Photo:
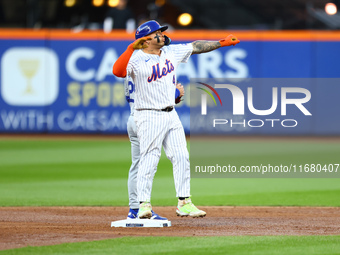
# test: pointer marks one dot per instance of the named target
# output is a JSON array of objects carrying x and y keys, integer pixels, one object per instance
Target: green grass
[
  {"x": 94, "y": 172},
  {"x": 247, "y": 245},
  {"x": 285, "y": 153}
]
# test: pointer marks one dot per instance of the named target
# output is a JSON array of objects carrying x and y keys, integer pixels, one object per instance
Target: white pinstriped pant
[
  {"x": 154, "y": 129},
  {"x": 135, "y": 156}
]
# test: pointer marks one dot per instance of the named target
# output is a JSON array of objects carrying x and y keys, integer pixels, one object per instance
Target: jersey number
[{"x": 130, "y": 100}]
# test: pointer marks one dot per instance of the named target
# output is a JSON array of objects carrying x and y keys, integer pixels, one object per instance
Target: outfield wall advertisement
[{"x": 64, "y": 84}]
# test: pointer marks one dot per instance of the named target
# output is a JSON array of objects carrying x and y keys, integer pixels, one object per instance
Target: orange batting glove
[
  {"x": 119, "y": 68},
  {"x": 139, "y": 43},
  {"x": 229, "y": 40}
]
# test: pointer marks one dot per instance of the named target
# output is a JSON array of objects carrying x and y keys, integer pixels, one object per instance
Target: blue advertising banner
[{"x": 66, "y": 85}]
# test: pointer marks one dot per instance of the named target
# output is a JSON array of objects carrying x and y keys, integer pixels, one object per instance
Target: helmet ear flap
[{"x": 167, "y": 40}]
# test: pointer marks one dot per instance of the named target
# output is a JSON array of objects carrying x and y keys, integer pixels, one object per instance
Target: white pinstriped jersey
[
  {"x": 154, "y": 76},
  {"x": 129, "y": 89}
]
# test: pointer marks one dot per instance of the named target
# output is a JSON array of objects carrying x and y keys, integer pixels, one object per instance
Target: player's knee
[{"x": 181, "y": 156}]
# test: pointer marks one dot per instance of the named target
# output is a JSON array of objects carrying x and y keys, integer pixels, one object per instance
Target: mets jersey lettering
[{"x": 156, "y": 74}]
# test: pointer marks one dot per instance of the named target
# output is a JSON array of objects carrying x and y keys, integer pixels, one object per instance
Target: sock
[{"x": 182, "y": 198}]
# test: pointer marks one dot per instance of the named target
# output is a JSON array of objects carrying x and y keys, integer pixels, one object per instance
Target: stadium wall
[{"x": 57, "y": 81}]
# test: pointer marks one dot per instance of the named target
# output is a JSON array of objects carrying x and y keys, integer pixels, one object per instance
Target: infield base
[{"x": 141, "y": 223}]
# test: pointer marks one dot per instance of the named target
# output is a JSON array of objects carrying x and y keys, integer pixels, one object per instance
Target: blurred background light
[
  {"x": 331, "y": 9},
  {"x": 113, "y": 3},
  {"x": 159, "y": 3},
  {"x": 70, "y": 3},
  {"x": 97, "y": 3},
  {"x": 184, "y": 19}
]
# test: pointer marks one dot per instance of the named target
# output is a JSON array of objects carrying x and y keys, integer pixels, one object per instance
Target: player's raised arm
[
  {"x": 206, "y": 46},
  {"x": 119, "y": 68}
]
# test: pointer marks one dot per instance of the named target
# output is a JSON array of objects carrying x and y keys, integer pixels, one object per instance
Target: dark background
[{"x": 212, "y": 14}]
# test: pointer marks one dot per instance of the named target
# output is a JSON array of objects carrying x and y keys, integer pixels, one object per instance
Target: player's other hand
[
  {"x": 139, "y": 43},
  {"x": 180, "y": 87},
  {"x": 229, "y": 40}
]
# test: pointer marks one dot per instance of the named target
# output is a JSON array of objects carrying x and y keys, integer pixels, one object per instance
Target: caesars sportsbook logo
[
  {"x": 29, "y": 76},
  {"x": 238, "y": 105}
]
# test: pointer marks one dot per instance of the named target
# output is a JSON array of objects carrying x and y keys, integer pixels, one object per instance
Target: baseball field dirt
[{"x": 38, "y": 226}]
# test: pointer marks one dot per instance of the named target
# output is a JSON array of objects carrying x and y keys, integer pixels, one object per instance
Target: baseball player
[
  {"x": 135, "y": 154},
  {"x": 153, "y": 70}
]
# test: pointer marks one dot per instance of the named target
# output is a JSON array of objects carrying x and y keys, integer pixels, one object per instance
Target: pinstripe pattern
[
  {"x": 159, "y": 93},
  {"x": 135, "y": 156},
  {"x": 175, "y": 148},
  {"x": 157, "y": 128},
  {"x": 168, "y": 131}
]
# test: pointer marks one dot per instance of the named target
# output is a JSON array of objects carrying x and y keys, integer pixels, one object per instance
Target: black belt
[{"x": 168, "y": 109}]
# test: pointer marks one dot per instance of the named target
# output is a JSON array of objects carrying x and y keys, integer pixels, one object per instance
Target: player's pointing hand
[
  {"x": 140, "y": 43},
  {"x": 229, "y": 40}
]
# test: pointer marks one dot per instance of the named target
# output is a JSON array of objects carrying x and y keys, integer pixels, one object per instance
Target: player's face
[{"x": 157, "y": 38}]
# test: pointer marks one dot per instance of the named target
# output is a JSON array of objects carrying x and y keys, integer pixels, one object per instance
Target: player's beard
[
  {"x": 154, "y": 46},
  {"x": 159, "y": 45}
]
